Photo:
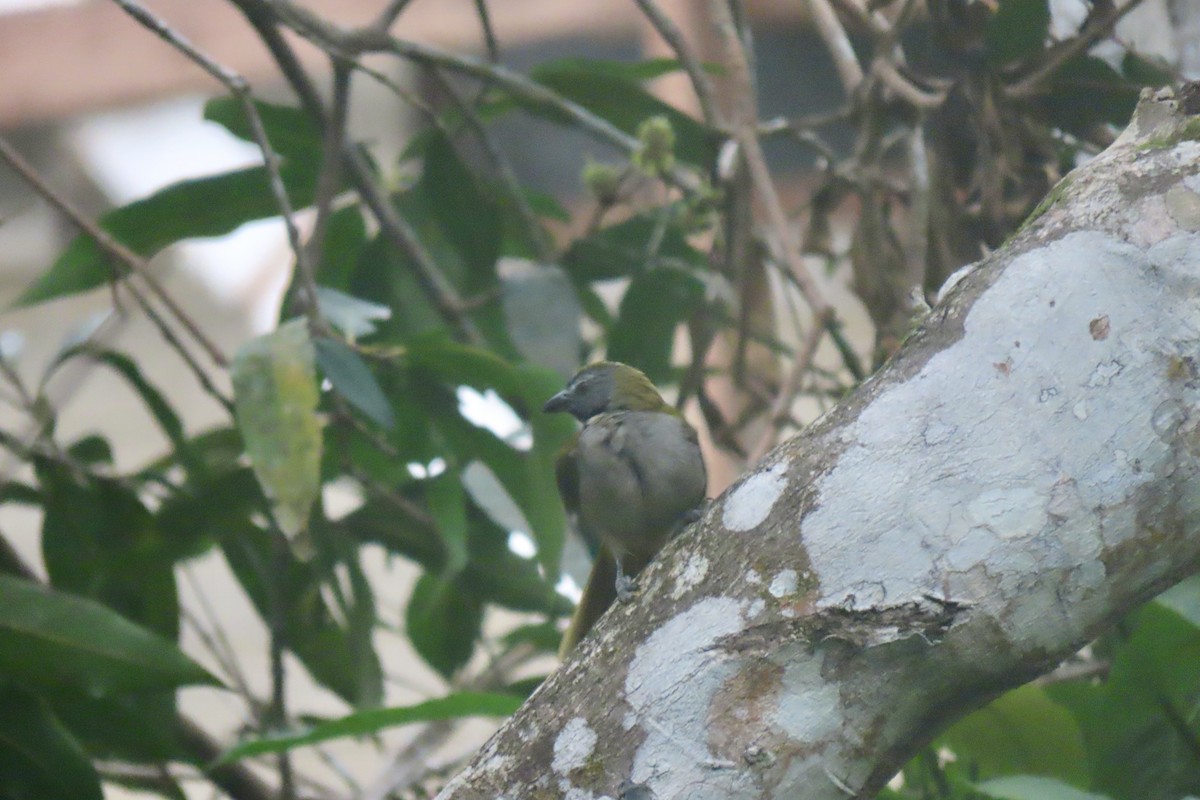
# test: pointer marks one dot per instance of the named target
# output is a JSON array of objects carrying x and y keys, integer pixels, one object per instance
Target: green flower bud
[
  {"x": 656, "y": 146},
  {"x": 603, "y": 181}
]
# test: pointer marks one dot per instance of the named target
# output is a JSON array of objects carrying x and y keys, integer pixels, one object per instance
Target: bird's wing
[{"x": 566, "y": 473}]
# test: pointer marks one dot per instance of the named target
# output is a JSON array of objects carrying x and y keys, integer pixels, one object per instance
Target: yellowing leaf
[{"x": 275, "y": 401}]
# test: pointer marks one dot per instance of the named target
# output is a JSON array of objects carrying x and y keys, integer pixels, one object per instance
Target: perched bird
[{"x": 631, "y": 478}]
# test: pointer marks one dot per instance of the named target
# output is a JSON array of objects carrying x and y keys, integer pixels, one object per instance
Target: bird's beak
[{"x": 557, "y": 403}]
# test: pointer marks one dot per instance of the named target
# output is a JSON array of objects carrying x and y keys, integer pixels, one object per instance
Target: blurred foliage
[
  {"x": 363, "y": 386},
  {"x": 1121, "y": 722}
]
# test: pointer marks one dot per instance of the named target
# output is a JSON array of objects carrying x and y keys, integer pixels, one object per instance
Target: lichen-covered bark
[{"x": 1023, "y": 470}]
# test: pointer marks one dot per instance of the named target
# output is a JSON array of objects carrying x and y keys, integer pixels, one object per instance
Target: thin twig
[
  {"x": 329, "y": 178},
  {"x": 916, "y": 250},
  {"x": 538, "y": 237},
  {"x": 138, "y": 268},
  {"x": 492, "y": 47},
  {"x": 849, "y": 71},
  {"x": 906, "y": 90},
  {"x": 277, "y": 624},
  {"x": 240, "y": 88},
  {"x": 235, "y": 779},
  {"x": 433, "y": 283},
  {"x": 746, "y": 136},
  {"x": 219, "y": 645},
  {"x": 361, "y": 41},
  {"x": 414, "y": 763},
  {"x": 1092, "y": 32},
  {"x": 389, "y": 14},
  {"x": 673, "y": 36},
  {"x": 777, "y": 218},
  {"x": 111, "y": 247},
  {"x": 781, "y": 408}
]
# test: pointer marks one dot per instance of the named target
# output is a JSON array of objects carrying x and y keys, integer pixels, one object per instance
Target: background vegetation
[{"x": 693, "y": 256}]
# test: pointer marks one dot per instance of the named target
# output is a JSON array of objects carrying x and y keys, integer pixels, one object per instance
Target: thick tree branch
[{"x": 1023, "y": 471}]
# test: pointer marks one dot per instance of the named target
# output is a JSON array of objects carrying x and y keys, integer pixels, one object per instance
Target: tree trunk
[{"x": 1022, "y": 472}]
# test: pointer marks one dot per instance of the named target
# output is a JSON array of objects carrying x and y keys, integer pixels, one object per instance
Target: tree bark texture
[{"x": 1023, "y": 471}]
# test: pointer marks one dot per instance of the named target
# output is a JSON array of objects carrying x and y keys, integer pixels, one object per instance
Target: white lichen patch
[
  {"x": 809, "y": 708},
  {"x": 672, "y": 681},
  {"x": 573, "y": 746},
  {"x": 495, "y": 763},
  {"x": 784, "y": 583},
  {"x": 689, "y": 574},
  {"x": 969, "y": 478},
  {"x": 751, "y": 502}
]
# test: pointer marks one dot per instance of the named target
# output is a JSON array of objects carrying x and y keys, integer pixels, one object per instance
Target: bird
[{"x": 630, "y": 479}]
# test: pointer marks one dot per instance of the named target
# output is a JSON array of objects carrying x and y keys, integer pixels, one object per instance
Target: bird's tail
[{"x": 598, "y": 594}]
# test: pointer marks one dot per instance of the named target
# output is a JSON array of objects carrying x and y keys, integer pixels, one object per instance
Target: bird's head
[{"x": 607, "y": 386}]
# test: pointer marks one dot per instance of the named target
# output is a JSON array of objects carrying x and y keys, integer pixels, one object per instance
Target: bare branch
[
  {"x": 136, "y": 265},
  {"x": 433, "y": 283},
  {"x": 834, "y": 35},
  {"x": 687, "y": 56},
  {"x": 1093, "y": 31},
  {"x": 239, "y": 88}
]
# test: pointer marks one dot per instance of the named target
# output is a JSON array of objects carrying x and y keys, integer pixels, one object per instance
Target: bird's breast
[{"x": 639, "y": 471}]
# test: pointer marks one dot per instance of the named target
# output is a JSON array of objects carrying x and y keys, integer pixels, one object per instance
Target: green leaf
[
  {"x": 546, "y": 205},
  {"x": 353, "y": 380},
  {"x": 354, "y": 317},
  {"x": 469, "y": 217},
  {"x": 139, "y": 727},
  {"x": 1021, "y": 732},
  {"x": 50, "y": 639},
  {"x": 628, "y": 248},
  {"x": 366, "y": 723},
  {"x": 1085, "y": 91},
  {"x": 388, "y": 275},
  {"x": 275, "y": 399},
  {"x": 100, "y": 541},
  {"x": 329, "y": 650},
  {"x": 524, "y": 388},
  {"x": 38, "y": 756},
  {"x": 128, "y": 369},
  {"x": 653, "y": 305},
  {"x": 92, "y": 450},
  {"x": 620, "y": 99},
  {"x": 543, "y": 316},
  {"x": 1141, "y": 733},
  {"x": 1146, "y": 71},
  {"x": 345, "y": 239},
  {"x": 210, "y": 206},
  {"x": 217, "y": 449},
  {"x": 494, "y": 573},
  {"x": 498, "y": 575},
  {"x": 447, "y": 503},
  {"x": 443, "y": 619},
  {"x": 1017, "y": 30},
  {"x": 542, "y": 635},
  {"x": 292, "y": 133},
  {"x": 207, "y": 508},
  {"x": 1027, "y": 787},
  {"x": 640, "y": 71}
]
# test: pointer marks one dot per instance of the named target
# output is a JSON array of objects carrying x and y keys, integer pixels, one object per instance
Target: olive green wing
[{"x": 566, "y": 473}]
